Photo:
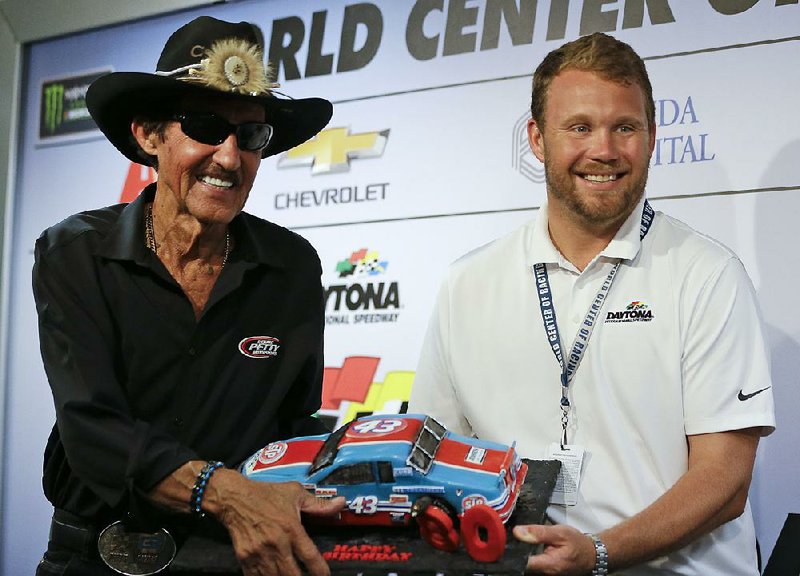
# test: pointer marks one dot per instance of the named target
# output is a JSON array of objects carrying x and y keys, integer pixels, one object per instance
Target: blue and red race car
[{"x": 392, "y": 468}]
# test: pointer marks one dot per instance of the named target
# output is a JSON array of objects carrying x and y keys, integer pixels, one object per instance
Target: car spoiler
[{"x": 508, "y": 461}]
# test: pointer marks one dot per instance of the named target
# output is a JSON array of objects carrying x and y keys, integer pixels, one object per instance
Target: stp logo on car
[
  {"x": 472, "y": 500},
  {"x": 259, "y": 346},
  {"x": 272, "y": 453}
]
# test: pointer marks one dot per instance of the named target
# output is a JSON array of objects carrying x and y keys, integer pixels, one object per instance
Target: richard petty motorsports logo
[
  {"x": 634, "y": 312},
  {"x": 368, "y": 299},
  {"x": 259, "y": 346},
  {"x": 331, "y": 152}
]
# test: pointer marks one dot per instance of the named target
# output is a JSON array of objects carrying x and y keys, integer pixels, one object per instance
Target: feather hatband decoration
[{"x": 233, "y": 65}]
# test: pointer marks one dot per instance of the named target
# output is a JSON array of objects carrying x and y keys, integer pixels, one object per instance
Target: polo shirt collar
[
  {"x": 624, "y": 246},
  {"x": 627, "y": 242},
  {"x": 126, "y": 239}
]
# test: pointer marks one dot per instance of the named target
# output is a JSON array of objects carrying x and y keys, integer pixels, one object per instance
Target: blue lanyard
[{"x": 581, "y": 341}]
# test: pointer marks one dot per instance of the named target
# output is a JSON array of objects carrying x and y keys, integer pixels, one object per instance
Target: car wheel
[
  {"x": 437, "y": 528},
  {"x": 483, "y": 533}
]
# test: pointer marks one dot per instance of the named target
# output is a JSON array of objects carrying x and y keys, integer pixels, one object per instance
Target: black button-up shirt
[{"x": 140, "y": 385}]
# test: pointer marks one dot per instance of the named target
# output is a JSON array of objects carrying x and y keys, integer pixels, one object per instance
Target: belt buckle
[{"x": 135, "y": 553}]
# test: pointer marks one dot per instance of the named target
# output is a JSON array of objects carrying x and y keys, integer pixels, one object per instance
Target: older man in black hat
[{"x": 180, "y": 334}]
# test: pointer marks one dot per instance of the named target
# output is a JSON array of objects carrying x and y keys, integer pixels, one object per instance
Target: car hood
[{"x": 283, "y": 461}]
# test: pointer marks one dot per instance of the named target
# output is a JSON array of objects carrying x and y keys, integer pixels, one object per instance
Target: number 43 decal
[
  {"x": 364, "y": 504},
  {"x": 382, "y": 426}
]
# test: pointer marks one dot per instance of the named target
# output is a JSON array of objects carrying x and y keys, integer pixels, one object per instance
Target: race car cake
[{"x": 397, "y": 469}]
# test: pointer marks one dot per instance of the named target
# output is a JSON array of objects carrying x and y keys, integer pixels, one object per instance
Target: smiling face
[
  {"x": 595, "y": 144},
  {"x": 209, "y": 183}
]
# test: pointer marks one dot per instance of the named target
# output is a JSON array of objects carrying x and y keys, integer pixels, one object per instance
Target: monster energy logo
[
  {"x": 53, "y": 107},
  {"x": 63, "y": 106}
]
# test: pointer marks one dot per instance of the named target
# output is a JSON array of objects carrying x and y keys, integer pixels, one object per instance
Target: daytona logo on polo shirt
[{"x": 634, "y": 312}]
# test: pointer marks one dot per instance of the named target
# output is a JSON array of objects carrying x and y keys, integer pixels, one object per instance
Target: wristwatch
[{"x": 601, "y": 556}]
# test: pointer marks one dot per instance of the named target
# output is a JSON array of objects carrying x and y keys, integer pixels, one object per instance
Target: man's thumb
[{"x": 529, "y": 533}]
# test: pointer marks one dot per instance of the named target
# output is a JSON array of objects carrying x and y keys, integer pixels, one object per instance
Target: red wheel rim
[
  {"x": 483, "y": 533},
  {"x": 436, "y": 528}
]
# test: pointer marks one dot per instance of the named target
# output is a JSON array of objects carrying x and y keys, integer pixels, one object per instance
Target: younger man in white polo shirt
[{"x": 612, "y": 337}]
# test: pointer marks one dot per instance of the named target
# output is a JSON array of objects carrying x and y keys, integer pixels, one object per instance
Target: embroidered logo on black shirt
[{"x": 259, "y": 346}]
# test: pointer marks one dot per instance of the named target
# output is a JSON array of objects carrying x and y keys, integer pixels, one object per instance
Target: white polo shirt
[{"x": 679, "y": 336}]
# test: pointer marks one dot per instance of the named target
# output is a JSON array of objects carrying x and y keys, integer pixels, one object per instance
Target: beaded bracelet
[{"x": 199, "y": 488}]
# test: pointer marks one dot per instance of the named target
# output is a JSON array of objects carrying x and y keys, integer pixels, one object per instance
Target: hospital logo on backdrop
[
  {"x": 522, "y": 158},
  {"x": 682, "y": 137},
  {"x": 366, "y": 296}
]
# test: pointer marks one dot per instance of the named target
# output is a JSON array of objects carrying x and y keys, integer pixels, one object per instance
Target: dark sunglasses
[{"x": 213, "y": 130}]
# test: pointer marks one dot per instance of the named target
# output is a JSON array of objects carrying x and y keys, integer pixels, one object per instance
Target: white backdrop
[{"x": 432, "y": 114}]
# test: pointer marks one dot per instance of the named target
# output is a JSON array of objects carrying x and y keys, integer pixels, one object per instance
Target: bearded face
[{"x": 596, "y": 146}]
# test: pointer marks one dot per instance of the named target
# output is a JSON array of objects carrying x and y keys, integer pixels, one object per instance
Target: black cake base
[{"x": 401, "y": 551}]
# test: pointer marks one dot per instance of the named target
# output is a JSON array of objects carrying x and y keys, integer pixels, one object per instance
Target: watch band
[{"x": 601, "y": 556}]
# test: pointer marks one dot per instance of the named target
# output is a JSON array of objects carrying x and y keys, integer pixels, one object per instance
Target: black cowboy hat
[{"x": 205, "y": 56}]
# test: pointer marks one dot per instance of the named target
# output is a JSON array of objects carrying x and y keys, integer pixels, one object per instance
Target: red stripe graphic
[
  {"x": 455, "y": 454},
  {"x": 298, "y": 452}
]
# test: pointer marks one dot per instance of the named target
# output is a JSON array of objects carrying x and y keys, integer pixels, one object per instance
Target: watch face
[{"x": 135, "y": 553}]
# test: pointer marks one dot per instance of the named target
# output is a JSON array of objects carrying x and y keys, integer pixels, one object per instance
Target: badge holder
[
  {"x": 568, "y": 481},
  {"x": 135, "y": 553}
]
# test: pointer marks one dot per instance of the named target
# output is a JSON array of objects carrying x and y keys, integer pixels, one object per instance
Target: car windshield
[
  {"x": 425, "y": 446},
  {"x": 327, "y": 453}
]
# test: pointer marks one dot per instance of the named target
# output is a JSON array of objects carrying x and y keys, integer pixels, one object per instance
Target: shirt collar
[
  {"x": 126, "y": 240},
  {"x": 258, "y": 241},
  {"x": 625, "y": 245}
]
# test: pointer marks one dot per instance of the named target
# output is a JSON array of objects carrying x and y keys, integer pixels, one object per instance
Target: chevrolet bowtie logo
[{"x": 332, "y": 150}]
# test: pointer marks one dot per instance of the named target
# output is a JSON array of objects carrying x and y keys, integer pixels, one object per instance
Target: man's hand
[
  {"x": 566, "y": 551},
  {"x": 711, "y": 492},
  {"x": 263, "y": 520}
]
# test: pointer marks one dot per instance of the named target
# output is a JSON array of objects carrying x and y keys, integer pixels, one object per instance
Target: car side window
[
  {"x": 354, "y": 474},
  {"x": 385, "y": 472}
]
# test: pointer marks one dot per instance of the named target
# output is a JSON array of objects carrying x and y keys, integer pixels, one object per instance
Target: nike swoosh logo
[{"x": 743, "y": 396}]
